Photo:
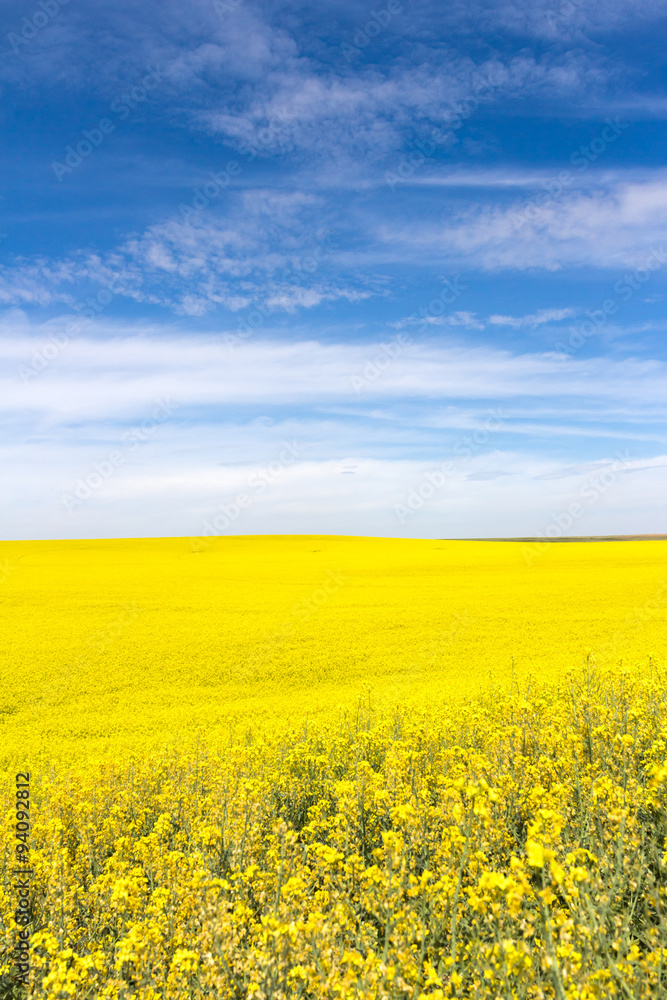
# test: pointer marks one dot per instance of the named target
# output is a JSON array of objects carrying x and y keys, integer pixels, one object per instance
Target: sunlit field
[
  {"x": 337, "y": 767},
  {"x": 111, "y": 647}
]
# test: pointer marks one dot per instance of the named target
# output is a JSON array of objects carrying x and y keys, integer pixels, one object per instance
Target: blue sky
[{"x": 394, "y": 270}]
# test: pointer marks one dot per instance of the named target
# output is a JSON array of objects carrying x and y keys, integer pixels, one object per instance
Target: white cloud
[
  {"x": 272, "y": 248},
  {"x": 367, "y": 113},
  {"x": 572, "y": 21},
  {"x": 116, "y": 368},
  {"x": 614, "y": 228},
  {"x": 460, "y": 317},
  {"x": 464, "y": 318},
  {"x": 355, "y": 452},
  {"x": 533, "y": 319},
  {"x": 285, "y": 248}
]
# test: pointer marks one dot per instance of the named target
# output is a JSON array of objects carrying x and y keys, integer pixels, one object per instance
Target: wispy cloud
[
  {"x": 604, "y": 229},
  {"x": 262, "y": 248},
  {"x": 111, "y": 372},
  {"x": 271, "y": 247},
  {"x": 533, "y": 320}
]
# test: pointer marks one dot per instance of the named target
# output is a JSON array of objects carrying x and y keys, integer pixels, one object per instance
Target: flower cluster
[{"x": 513, "y": 846}]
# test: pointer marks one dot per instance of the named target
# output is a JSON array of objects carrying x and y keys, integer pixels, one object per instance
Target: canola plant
[{"x": 336, "y": 767}]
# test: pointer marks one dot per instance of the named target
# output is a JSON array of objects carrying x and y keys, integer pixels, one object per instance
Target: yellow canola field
[
  {"x": 111, "y": 647},
  {"x": 316, "y": 768}
]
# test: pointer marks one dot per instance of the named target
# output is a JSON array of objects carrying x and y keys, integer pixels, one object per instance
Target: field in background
[
  {"x": 311, "y": 768},
  {"x": 112, "y": 647}
]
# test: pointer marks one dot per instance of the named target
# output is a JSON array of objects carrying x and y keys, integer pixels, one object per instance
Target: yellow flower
[{"x": 535, "y": 854}]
